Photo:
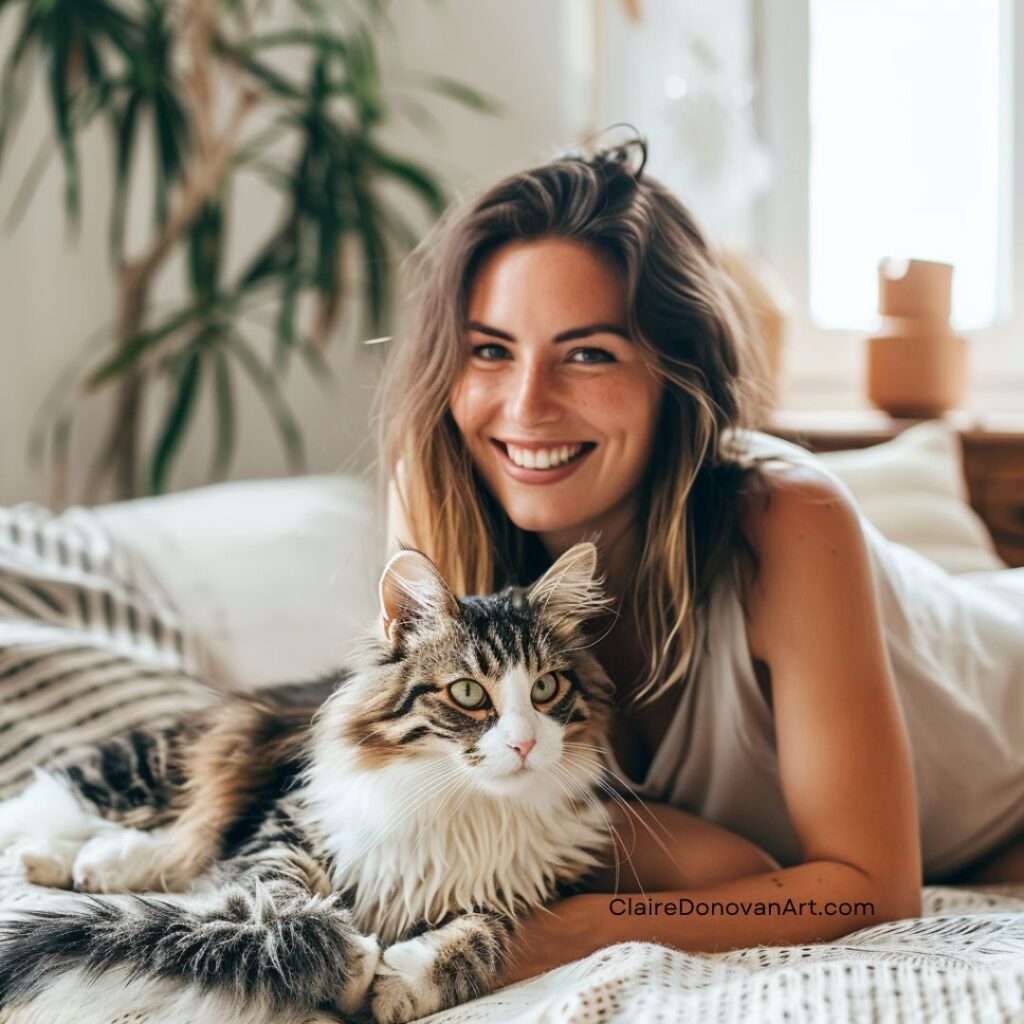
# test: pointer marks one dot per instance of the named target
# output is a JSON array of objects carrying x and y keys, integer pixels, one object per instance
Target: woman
[{"x": 580, "y": 367}]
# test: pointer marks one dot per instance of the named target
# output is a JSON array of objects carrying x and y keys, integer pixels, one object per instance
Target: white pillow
[
  {"x": 913, "y": 490},
  {"x": 273, "y": 576}
]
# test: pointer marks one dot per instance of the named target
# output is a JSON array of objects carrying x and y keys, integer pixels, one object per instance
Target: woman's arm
[
  {"x": 812, "y": 902},
  {"x": 844, "y": 761},
  {"x": 660, "y": 848},
  {"x": 844, "y": 756}
]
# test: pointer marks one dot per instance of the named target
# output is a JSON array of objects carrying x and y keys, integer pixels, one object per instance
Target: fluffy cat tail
[{"x": 243, "y": 949}]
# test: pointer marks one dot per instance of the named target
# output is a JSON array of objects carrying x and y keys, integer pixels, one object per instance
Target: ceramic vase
[{"x": 916, "y": 365}]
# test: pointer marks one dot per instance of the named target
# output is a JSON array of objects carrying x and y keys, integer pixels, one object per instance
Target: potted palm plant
[{"x": 216, "y": 89}]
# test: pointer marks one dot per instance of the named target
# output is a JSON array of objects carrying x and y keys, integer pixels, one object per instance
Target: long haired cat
[{"x": 364, "y": 841}]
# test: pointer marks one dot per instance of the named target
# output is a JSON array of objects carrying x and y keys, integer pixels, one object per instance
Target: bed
[{"x": 190, "y": 584}]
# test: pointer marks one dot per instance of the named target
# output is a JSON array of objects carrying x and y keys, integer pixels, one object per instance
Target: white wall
[{"x": 535, "y": 56}]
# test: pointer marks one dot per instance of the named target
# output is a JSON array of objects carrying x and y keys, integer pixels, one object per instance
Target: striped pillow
[{"x": 89, "y": 642}]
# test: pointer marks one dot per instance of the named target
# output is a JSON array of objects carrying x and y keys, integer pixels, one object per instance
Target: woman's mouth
[{"x": 547, "y": 464}]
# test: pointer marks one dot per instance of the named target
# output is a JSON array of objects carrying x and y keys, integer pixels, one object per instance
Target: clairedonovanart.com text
[{"x": 643, "y": 906}]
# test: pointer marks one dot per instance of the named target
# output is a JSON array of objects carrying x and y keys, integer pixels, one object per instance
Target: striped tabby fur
[{"x": 365, "y": 841}]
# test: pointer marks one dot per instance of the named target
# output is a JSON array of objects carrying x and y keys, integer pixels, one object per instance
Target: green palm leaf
[
  {"x": 224, "y": 407},
  {"x": 125, "y": 147},
  {"x": 267, "y": 386},
  {"x": 176, "y": 420},
  {"x": 128, "y": 356}
]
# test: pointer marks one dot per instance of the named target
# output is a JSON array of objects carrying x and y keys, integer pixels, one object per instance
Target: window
[{"x": 891, "y": 125}]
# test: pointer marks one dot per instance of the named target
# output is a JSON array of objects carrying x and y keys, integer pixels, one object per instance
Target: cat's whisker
[
  {"x": 614, "y": 836},
  {"x": 615, "y": 775},
  {"x": 631, "y": 817},
  {"x": 602, "y": 784},
  {"x": 631, "y": 810}
]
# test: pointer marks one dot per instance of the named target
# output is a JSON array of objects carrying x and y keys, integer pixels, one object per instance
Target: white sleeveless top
[{"x": 956, "y": 649}]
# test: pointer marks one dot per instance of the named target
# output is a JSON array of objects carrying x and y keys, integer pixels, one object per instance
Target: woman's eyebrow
[
  {"x": 571, "y": 335},
  {"x": 583, "y": 332}
]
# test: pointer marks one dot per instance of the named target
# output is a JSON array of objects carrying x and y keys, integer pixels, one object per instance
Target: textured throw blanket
[{"x": 89, "y": 644}]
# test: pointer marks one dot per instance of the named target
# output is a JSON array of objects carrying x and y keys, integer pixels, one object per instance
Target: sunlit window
[{"x": 910, "y": 150}]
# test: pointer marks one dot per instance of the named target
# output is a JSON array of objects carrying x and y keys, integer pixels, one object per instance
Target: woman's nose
[{"x": 534, "y": 400}]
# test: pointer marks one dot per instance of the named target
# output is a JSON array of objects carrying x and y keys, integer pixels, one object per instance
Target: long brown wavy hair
[{"x": 686, "y": 315}]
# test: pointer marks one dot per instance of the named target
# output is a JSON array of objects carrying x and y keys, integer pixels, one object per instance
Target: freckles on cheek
[
  {"x": 613, "y": 402},
  {"x": 591, "y": 398},
  {"x": 471, "y": 400}
]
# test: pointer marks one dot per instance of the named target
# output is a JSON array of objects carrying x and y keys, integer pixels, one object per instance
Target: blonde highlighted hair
[{"x": 684, "y": 312}]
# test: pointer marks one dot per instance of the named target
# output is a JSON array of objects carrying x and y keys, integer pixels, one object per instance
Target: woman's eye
[
  {"x": 468, "y": 694},
  {"x": 490, "y": 352},
  {"x": 544, "y": 689},
  {"x": 592, "y": 355}
]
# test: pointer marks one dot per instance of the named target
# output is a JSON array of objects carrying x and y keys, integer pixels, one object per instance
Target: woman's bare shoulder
[
  {"x": 801, "y": 522},
  {"x": 790, "y": 496}
]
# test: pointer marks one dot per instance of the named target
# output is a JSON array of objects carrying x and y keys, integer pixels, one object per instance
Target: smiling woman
[
  {"x": 537, "y": 407},
  {"x": 789, "y": 694}
]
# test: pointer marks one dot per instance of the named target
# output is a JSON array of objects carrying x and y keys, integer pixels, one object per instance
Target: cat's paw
[
  {"x": 46, "y": 861},
  {"x": 123, "y": 859},
  {"x": 365, "y": 958},
  {"x": 404, "y": 988},
  {"x": 46, "y": 807}
]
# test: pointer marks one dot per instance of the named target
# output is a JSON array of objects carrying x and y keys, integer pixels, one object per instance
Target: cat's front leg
[
  {"x": 45, "y": 826},
  {"x": 122, "y": 859},
  {"x": 441, "y": 968}
]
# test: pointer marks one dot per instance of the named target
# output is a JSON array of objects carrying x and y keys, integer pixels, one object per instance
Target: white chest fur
[{"x": 416, "y": 842}]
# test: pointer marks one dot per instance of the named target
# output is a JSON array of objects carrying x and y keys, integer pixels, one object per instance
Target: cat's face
[{"x": 500, "y": 686}]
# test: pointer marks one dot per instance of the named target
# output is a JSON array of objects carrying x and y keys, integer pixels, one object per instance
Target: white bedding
[{"x": 963, "y": 961}]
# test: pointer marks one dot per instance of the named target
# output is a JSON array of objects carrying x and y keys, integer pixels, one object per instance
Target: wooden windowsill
[{"x": 880, "y": 426}]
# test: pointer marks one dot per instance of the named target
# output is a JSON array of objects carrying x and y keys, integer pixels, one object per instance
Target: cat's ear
[
  {"x": 570, "y": 591},
  {"x": 412, "y": 590}
]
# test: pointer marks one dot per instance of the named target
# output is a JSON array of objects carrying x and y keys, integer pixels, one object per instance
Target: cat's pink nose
[{"x": 523, "y": 747}]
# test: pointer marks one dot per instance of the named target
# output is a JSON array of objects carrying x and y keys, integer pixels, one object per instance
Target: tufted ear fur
[
  {"x": 570, "y": 592},
  {"x": 412, "y": 591}
]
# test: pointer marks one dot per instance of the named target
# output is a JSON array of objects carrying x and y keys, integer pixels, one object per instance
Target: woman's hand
[
  {"x": 551, "y": 936},
  {"x": 659, "y": 848}
]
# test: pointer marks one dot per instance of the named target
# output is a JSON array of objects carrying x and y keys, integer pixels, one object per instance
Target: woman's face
[{"x": 556, "y": 404}]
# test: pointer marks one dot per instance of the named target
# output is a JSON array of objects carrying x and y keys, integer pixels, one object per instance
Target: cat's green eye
[
  {"x": 544, "y": 689},
  {"x": 468, "y": 694}
]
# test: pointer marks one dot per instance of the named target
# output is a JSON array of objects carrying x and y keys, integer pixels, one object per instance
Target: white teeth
[{"x": 542, "y": 458}]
